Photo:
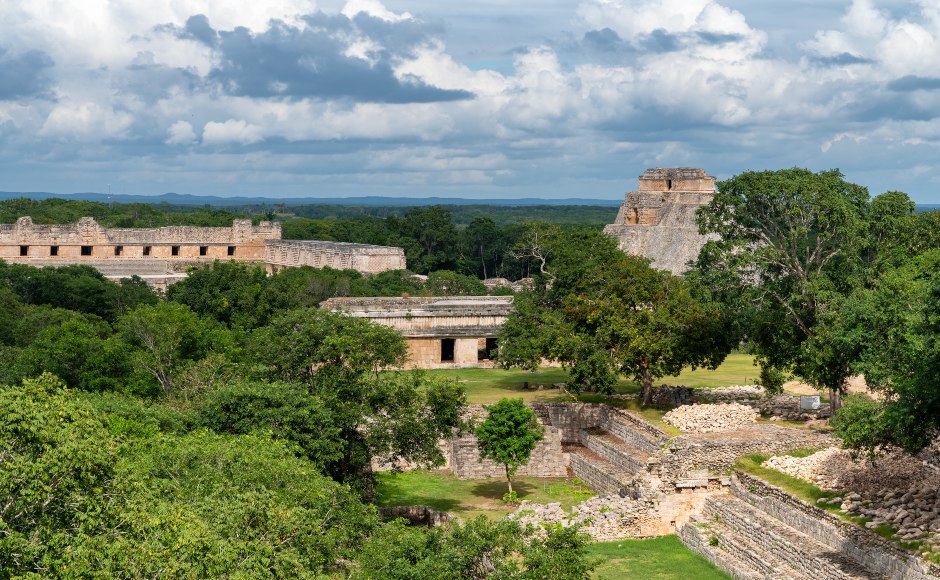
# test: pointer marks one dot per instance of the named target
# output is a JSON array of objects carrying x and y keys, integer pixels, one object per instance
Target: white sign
[{"x": 809, "y": 403}]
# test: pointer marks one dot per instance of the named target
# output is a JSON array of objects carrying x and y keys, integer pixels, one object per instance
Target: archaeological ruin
[
  {"x": 658, "y": 220},
  {"x": 442, "y": 331},
  {"x": 164, "y": 255},
  {"x": 652, "y": 482}
]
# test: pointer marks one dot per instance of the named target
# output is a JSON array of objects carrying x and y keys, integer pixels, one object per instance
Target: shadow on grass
[{"x": 494, "y": 489}]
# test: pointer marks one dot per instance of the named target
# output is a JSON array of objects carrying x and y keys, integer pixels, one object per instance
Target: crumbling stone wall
[
  {"x": 658, "y": 220},
  {"x": 365, "y": 258}
]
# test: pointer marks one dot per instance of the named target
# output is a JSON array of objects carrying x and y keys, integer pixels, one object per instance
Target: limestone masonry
[
  {"x": 658, "y": 220},
  {"x": 162, "y": 256},
  {"x": 441, "y": 332}
]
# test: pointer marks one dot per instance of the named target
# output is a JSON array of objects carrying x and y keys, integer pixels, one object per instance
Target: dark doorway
[
  {"x": 53, "y": 250},
  {"x": 118, "y": 250},
  {"x": 175, "y": 250},
  {"x": 86, "y": 250},
  {"x": 231, "y": 250},
  {"x": 488, "y": 351},
  {"x": 24, "y": 250},
  {"x": 146, "y": 250},
  {"x": 203, "y": 250},
  {"x": 447, "y": 349}
]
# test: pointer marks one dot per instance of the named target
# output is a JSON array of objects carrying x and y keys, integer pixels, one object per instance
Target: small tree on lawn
[{"x": 508, "y": 436}]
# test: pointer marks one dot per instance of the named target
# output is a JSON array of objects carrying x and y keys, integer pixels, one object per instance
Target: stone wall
[
  {"x": 718, "y": 452},
  {"x": 594, "y": 476},
  {"x": 634, "y": 431},
  {"x": 571, "y": 418},
  {"x": 547, "y": 458},
  {"x": 873, "y": 551},
  {"x": 658, "y": 220},
  {"x": 364, "y": 258}
]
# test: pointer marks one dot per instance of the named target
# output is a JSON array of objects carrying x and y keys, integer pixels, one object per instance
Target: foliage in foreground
[{"x": 88, "y": 496}]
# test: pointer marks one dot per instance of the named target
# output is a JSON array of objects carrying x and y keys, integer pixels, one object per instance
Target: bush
[{"x": 772, "y": 379}]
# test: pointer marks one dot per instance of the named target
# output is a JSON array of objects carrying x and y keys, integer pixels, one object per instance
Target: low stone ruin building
[
  {"x": 365, "y": 258},
  {"x": 164, "y": 255},
  {"x": 658, "y": 220},
  {"x": 442, "y": 331}
]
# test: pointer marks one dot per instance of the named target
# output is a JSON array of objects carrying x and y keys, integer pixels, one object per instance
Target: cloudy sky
[{"x": 546, "y": 98}]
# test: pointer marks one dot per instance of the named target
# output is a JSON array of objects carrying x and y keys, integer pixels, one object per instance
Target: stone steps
[
  {"x": 766, "y": 547},
  {"x": 614, "y": 450},
  {"x": 599, "y": 474}
]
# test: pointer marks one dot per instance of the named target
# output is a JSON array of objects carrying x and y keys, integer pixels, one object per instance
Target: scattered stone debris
[
  {"x": 711, "y": 418},
  {"x": 893, "y": 490},
  {"x": 608, "y": 517}
]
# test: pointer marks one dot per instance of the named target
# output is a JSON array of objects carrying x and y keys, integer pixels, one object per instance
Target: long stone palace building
[
  {"x": 658, "y": 220},
  {"x": 164, "y": 255}
]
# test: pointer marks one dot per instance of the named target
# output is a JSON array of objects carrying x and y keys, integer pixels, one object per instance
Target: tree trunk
[
  {"x": 508, "y": 479},
  {"x": 646, "y": 393},
  {"x": 835, "y": 400}
]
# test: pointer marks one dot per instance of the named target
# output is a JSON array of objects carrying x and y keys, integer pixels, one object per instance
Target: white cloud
[
  {"x": 373, "y": 8},
  {"x": 180, "y": 133},
  {"x": 231, "y": 131}
]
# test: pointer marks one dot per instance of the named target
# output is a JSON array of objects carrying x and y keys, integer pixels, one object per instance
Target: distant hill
[{"x": 212, "y": 200}]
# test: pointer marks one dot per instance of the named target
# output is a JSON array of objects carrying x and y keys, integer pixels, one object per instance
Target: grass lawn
[
  {"x": 485, "y": 386},
  {"x": 663, "y": 558},
  {"x": 470, "y": 498}
]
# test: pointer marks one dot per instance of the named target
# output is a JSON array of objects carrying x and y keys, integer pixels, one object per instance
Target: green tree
[
  {"x": 508, "y": 435},
  {"x": 229, "y": 292},
  {"x": 58, "y": 461},
  {"x": 168, "y": 337},
  {"x": 895, "y": 327},
  {"x": 436, "y": 236},
  {"x": 790, "y": 244},
  {"x": 390, "y": 415},
  {"x": 606, "y": 314},
  {"x": 285, "y": 411}
]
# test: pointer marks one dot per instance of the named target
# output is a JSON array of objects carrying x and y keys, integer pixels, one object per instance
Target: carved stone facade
[
  {"x": 658, "y": 220},
  {"x": 441, "y": 332},
  {"x": 164, "y": 255},
  {"x": 365, "y": 258}
]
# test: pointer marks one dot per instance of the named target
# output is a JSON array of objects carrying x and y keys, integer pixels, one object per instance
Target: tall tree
[{"x": 791, "y": 244}]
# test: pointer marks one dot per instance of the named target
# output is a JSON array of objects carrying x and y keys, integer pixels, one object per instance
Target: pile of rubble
[
  {"x": 821, "y": 468},
  {"x": 711, "y": 418},
  {"x": 603, "y": 517},
  {"x": 896, "y": 490}
]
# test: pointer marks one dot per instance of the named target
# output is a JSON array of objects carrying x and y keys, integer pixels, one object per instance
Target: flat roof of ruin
[{"x": 320, "y": 245}]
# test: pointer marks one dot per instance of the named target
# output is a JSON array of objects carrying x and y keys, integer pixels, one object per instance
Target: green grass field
[
  {"x": 470, "y": 498},
  {"x": 663, "y": 558},
  {"x": 486, "y": 386}
]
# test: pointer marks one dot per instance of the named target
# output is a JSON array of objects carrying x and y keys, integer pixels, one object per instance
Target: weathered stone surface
[
  {"x": 658, "y": 220},
  {"x": 710, "y": 418},
  {"x": 364, "y": 258}
]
